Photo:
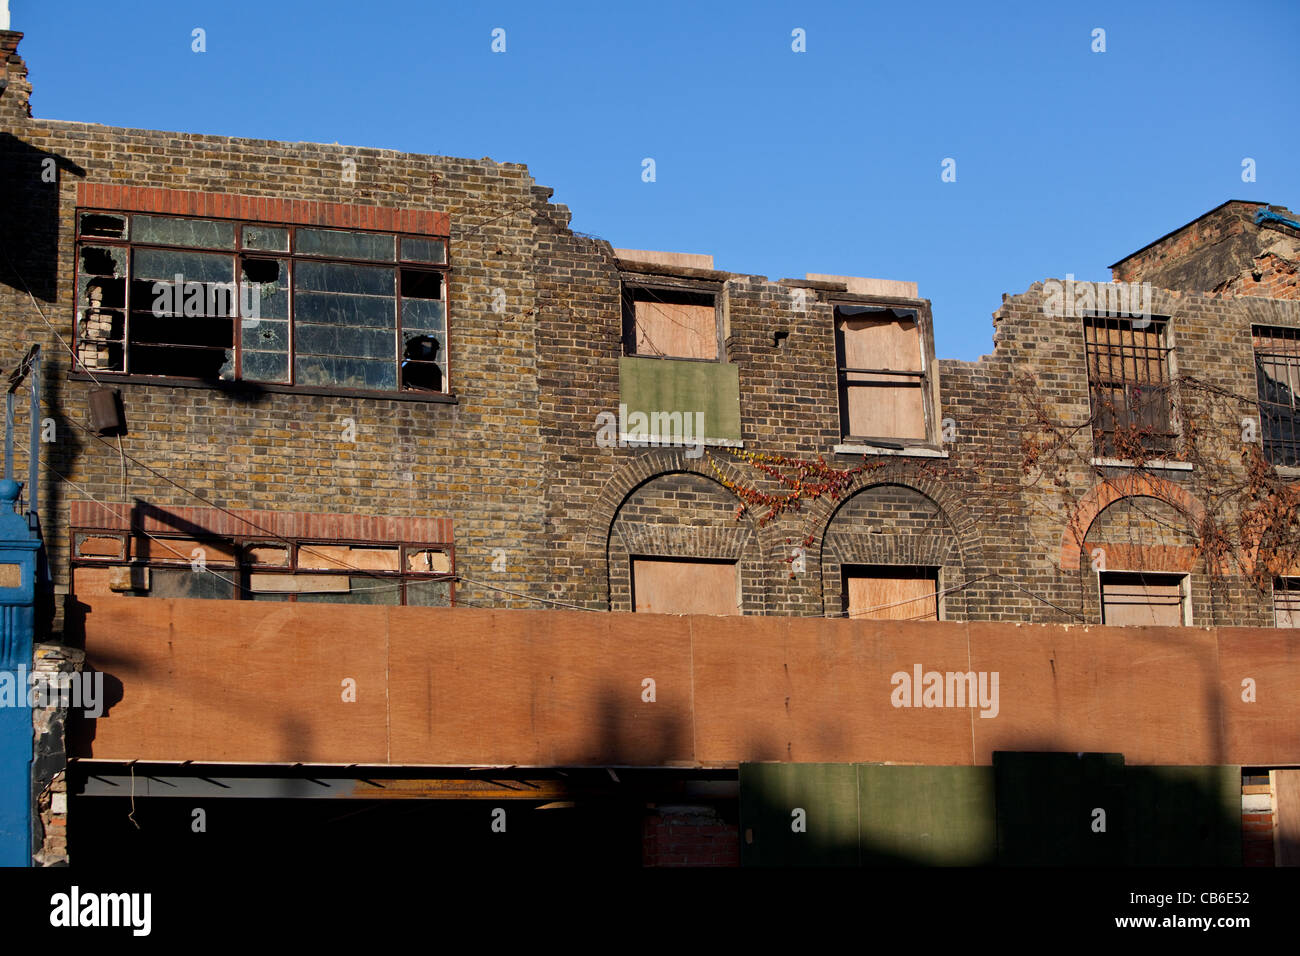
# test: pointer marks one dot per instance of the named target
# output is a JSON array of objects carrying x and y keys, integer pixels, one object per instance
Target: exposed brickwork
[
  {"x": 288, "y": 524},
  {"x": 1224, "y": 251},
  {"x": 689, "y": 836},
  {"x": 541, "y": 510}
]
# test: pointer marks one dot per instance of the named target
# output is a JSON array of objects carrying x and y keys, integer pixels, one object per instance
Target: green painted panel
[
  {"x": 1185, "y": 816},
  {"x": 666, "y": 386},
  {"x": 770, "y": 795},
  {"x": 927, "y": 816},
  {"x": 1048, "y": 809}
]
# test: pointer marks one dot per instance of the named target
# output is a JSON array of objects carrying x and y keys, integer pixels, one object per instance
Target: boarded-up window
[
  {"x": 1128, "y": 380},
  {"x": 881, "y": 373},
  {"x": 1158, "y": 600},
  {"x": 672, "y": 323},
  {"x": 891, "y": 593},
  {"x": 1286, "y": 601},
  {"x": 1277, "y": 374},
  {"x": 670, "y": 586}
]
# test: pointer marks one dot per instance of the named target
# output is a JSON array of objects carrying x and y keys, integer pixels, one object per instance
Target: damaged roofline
[{"x": 1178, "y": 229}]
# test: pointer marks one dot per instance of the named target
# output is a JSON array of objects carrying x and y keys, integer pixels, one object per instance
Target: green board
[
  {"x": 665, "y": 387},
  {"x": 927, "y": 816},
  {"x": 794, "y": 814}
]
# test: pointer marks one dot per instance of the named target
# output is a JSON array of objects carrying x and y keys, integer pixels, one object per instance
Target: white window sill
[
  {"x": 1156, "y": 463},
  {"x": 1288, "y": 471},
  {"x": 902, "y": 452},
  {"x": 651, "y": 441}
]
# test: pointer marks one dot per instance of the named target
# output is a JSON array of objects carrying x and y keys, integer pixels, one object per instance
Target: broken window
[
  {"x": 182, "y": 314},
  {"x": 1277, "y": 374},
  {"x": 220, "y": 300},
  {"x": 101, "y": 308},
  {"x": 1138, "y": 598},
  {"x": 264, "y": 319},
  {"x": 345, "y": 318},
  {"x": 1129, "y": 385},
  {"x": 882, "y": 377},
  {"x": 424, "y": 250},
  {"x": 891, "y": 593},
  {"x": 254, "y": 569},
  {"x": 1286, "y": 601},
  {"x": 344, "y": 245},
  {"x": 424, "y": 330},
  {"x": 674, "y": 323},
  {"x": 676, "y": 586}
]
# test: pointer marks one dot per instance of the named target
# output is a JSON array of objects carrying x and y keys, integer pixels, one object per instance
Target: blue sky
[{"x": 776, "y": 162}]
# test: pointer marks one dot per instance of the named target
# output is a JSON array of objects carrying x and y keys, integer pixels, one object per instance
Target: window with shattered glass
[{"x": 224, "y": 301}]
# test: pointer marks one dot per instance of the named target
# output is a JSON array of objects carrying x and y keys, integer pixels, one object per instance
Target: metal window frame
[
  {"x": 241, "y": 567},
  {"x": 1288, "y": 454},
  {"x": 924, "y": 376},
  {"x": 1135, "y": 353},
  {"x": 237, "y": 254}
]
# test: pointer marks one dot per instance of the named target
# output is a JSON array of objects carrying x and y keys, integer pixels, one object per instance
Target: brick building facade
[{"x": 992, "y": 490}]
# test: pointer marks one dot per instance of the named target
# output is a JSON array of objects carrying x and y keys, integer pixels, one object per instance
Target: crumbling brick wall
[{"x": 1226, "y": 252}]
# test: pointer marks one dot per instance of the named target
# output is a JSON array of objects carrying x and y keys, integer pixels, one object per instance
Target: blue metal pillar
[
  {"x": 20, "y": 550},
  {"x": 19, "y": 545}
]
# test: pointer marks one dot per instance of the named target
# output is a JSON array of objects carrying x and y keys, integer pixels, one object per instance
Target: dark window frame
[
  {"x": 649, "y": 287},
  {"x": 924, "y": 378},
  {"x": 1166, "y": 441},
  {"x": 1278, "y": 405},
  {"x": 237, "y": 571},
  {"x": 238, "y": 254}
]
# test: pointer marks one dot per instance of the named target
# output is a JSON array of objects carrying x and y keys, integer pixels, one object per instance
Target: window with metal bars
[
  {"x": 1277, "y": 375},
  {"x": 1129, "y": 385},
  {"x": 222, "y": 300}
]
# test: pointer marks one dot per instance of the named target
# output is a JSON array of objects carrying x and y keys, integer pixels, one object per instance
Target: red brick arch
[{"x": 1110, "y": 490}]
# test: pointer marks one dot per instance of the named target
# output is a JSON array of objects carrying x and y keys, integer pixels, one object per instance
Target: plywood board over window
[
  {"x": 1157, "y": 600},
  {"x": 882, "y": 376},
  {"x": 674, "y": 324},
  {"x": 672, "y": 586},
  {"x": 891, "y": 593}
]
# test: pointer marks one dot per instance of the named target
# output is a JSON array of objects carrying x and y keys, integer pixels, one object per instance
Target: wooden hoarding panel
[
  {"x": 213, "y": 680},
  {"x": 1257, "y": 697},
  {"x": 816, "y": 689},
  {"x": 556, "y": 688},
  {"x": 1149, "y": 693}
]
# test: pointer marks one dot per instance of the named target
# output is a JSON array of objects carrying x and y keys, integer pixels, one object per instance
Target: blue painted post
[{"x": 19, "y": 545}]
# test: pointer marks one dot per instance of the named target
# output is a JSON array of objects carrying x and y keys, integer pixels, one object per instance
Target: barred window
[
  {"x": 1277, "y": 374},
  {"x": 1130, "y": 387}
]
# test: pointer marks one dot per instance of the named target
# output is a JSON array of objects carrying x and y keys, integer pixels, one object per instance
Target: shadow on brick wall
[{"x": 29, "y": 223}]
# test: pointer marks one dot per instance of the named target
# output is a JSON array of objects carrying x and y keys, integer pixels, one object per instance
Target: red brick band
[
  {"x": 299, "y": 212},
  {"x": 288, "y": 524}
]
